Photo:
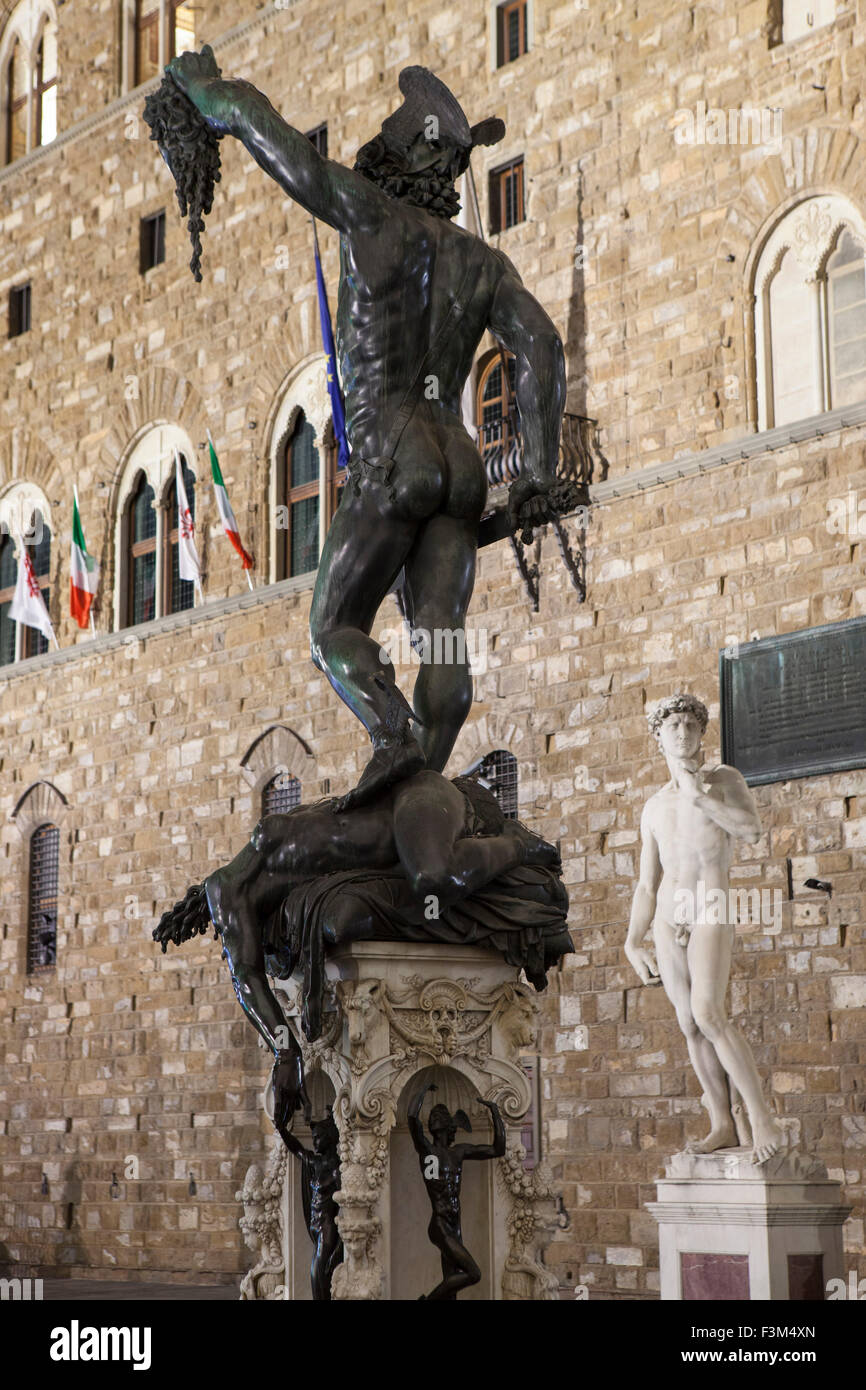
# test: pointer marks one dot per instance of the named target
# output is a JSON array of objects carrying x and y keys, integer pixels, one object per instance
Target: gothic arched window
[
  {"x": 28, "y": 78},
  {"x": 810, "y": 312},
  {"x": 300, "y": 486}
]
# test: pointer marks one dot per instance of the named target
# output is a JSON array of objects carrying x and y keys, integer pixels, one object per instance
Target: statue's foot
[
  {"x": 535, "y": 849},
  {"x": 722, "y": 1136},
  {"x": 392, "y": 761},
  {"x": 768, "y": 1138}
]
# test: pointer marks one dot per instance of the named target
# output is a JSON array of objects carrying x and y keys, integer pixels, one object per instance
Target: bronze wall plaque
[{"x": 795, "y": 705}]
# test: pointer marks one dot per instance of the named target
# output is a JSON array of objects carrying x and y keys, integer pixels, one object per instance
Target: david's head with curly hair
[{"x": 678, "y": 704}]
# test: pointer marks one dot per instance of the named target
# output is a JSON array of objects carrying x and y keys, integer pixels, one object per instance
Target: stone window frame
[
  {"x": 492, "y": 35},
  {"x": 18, "y": 506},
  {"x": 42, "y": 803},
  {"x": 810, "y": 230},
  {"x": 278, "y": 751},
  {"x": 305, "y": 390},
  {"x": 26, "y": 24},
  {"x": 129, "y": 33},
  {"x": 780, "y": 27},
  {"x": 157, "y": 465}
]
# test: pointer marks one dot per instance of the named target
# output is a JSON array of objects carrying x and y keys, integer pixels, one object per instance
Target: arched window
[
  {"x": 17, "y": 641},
  {"x": 810, "y": 312},
  {"x": 179, "y": 593},
  {"x": 281, "y": 794},
  {"x": 16, "y": 103},
  {"x": 45, "y": 85},
  {"x": 42, "y": 904},
  {"x": 28, "y": 78},
  {"x": 142, "y": 554},
  {"x": 498, "y": 420},
  {"x": 300, "y": 483},
  {"x": 498, "y": 772},
  {"x": 148, "y": 582}
]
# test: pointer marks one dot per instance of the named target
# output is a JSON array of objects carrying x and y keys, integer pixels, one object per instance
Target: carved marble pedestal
[
  {"x": 397, "y": 1016},
  {"x": 732, "y": 1230}
]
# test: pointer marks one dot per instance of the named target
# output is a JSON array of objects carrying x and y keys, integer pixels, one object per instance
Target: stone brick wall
[{"x": 123, "y": 1053}]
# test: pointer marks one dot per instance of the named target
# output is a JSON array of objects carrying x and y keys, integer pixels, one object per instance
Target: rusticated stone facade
[{"x": 123, "y": 1061}]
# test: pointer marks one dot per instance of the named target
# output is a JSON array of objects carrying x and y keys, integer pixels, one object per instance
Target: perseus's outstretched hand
[{"x": 188, "y": 70}]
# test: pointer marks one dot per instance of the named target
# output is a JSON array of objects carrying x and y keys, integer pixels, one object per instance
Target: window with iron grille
[
  {"x": 506, "y": 196},
  {"x": 282, "y": 794},
  {"x": 511, "y": 36},
  {"x": 498, "y": 772},
  {"x": 498, "y": 420},
  {"x": 152, "y": 241},
  {"x": 42, "y": 910},
  {"x": 19, "y": 310},
  {"x": 319, "y": 138}
]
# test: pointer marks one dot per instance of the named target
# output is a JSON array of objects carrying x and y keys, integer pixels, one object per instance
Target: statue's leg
[
  {"x": 675, "y": 976},
  {"x": 459, "y": 1270},
  {"x": 440, "y": 576},
  {"x": 364, "y": 552},
  {"x": 709, "y": 954}
]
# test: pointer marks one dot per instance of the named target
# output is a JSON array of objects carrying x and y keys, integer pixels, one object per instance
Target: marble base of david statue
[
  {"x": 733, "y": 1229},
  {"x": 399, "y": 1016}
]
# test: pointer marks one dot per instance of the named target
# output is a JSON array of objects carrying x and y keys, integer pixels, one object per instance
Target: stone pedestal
[
  {"x": 399, "y": 1015},
  {"x": 729, "y": 1229}
]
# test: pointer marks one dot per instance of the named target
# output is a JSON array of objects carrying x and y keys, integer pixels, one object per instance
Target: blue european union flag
[{"x": 337, "y": 410}]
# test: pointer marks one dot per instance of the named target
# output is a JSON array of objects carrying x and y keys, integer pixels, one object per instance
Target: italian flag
[
  {"x": 224, "y": 506},
  {"x": 83, "y": 569}
]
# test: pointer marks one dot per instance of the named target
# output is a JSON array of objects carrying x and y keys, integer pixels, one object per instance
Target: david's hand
[
  {"x": 643, "y": 962},
  {"x": 191, "y": 70},
  {"x": 530, "y": 504}
]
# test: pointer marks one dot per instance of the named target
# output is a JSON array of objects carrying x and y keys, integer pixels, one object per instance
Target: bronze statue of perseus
[{"x": 416, "y": 295}]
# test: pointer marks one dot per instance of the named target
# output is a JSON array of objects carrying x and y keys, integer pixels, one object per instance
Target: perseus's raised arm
[
  {"x": 522, "y": 326},
  {"x": 330, "y": 191}
]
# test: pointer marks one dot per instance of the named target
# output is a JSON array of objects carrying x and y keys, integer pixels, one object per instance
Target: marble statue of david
[{"x": 688, "y": 829}]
